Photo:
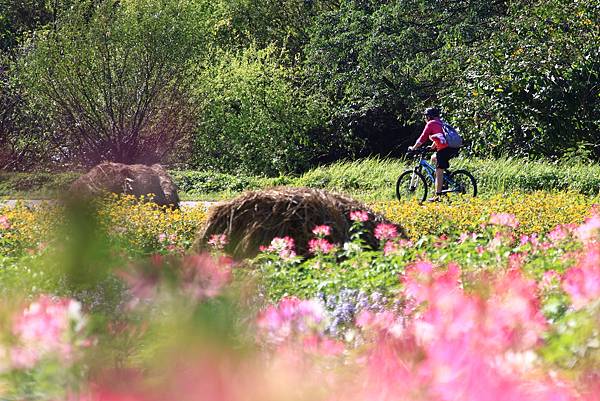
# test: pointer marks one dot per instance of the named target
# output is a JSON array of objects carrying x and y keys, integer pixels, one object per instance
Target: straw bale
[
  {"x": 132, "y": 179},
  {"x": 256, "y": 217}
]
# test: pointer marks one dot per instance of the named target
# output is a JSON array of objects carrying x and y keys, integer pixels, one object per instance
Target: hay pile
[
  {"x": 256, "y": 217},
  {"x": 132, "y": 179}
]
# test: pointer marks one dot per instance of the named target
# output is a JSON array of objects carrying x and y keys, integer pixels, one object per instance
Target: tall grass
[
  {"x": 375, "y": 178},
  {"x": 367, "y": 179}
]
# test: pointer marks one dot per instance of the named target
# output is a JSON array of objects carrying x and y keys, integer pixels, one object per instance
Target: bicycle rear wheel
[
  {"x": 411, "y": 185},
  {"x": 463, "y": 183}
]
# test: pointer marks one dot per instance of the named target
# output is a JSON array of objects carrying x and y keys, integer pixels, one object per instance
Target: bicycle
[{"x": 414, "y": 184}]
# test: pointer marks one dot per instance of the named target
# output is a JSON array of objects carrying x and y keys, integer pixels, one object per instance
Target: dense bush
[
  {"x": 533, "y": 87},
  {"x": 382, "y": 62},
  {"x": 253, "y": 119},
  {"x": 113, "y": 79}
]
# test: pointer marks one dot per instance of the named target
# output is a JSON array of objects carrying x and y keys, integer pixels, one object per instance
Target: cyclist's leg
[
  {"x": 436, "y": 179},
  {"x": 443, "y": 156},
  {"x": 439, "y": 180}
]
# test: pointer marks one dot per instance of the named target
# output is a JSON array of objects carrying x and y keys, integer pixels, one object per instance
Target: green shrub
[{"x": 254, "y": 120}]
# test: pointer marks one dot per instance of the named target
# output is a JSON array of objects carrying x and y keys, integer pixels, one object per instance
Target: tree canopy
[{"x": 274, "y": 87}]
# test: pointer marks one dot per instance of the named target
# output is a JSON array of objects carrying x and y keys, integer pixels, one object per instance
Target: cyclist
[{"x": 433, "y": 131}]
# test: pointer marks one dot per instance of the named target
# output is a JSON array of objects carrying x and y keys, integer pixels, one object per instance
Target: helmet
[{"x": 432, "y": 112}]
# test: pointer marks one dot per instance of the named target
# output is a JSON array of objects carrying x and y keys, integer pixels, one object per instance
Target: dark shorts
[{"x": 443, "y": 157}]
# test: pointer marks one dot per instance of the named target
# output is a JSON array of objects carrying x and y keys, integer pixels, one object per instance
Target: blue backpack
[{"x": 453, "y": 139}]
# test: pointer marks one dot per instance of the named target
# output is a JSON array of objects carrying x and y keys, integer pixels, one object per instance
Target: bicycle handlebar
[{"x": 418, "y": 151}]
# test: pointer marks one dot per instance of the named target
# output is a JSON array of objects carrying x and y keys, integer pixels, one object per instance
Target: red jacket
[{"x": 433, "y": 131}]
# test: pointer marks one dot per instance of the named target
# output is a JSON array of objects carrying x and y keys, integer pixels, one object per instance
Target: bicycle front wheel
[
  {"x": 411, "y": 185},
  {"x": 463, "y": 183}
]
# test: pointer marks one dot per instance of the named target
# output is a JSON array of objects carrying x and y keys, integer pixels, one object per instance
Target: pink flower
[
  {"x": 321, "y": 345},
  {"x": 385, "y": 231},
  {"x": 278, "y": 244},
  {"x": 532, "y": 239},
  {"x": 590, "y": 229},
  {"x": 320, "y": 246},
  {"x": 143, "y": 285},
  {"x": 289, "y": 318},
  {"x": 560, "y": 232},
  {"x": 582, "y": 282},
  {"x": 282, "y": 246},
  {"x": 550, "y": 279},
  {"x": 218, "y": 241},
  {"x": 162, "y": 237},
  {"x": 203, "y": 276},
  {"x": 5, "y": 223},
  {"x": 322, "y": 231},
  {"x": 390, "y": 248},
  {"x": 515, "y": 260},
  {"x": 466, "y": 237},
  {"x": 504, "y": 219},
  {"x": 384, "y": 320},
  {"x": 359, "y": 216},
  {"x": 48, "y": 326}
]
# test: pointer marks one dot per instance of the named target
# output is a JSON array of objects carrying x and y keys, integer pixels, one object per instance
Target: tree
[
  {"x": 534, "y": 86},
  {"x": 115, "y": 78},
  {"x": 238, "y": 24},
  {"x": 21, "y": 131},
  {"x": 253, "y": 118},
  {"x": 380, "y": 63}
]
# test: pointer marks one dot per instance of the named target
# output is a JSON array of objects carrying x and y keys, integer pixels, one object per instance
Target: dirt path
[{"x": 37, "y": 202}]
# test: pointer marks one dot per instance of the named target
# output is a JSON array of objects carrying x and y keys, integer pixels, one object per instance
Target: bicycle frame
[{"x": 430, "y": 173}]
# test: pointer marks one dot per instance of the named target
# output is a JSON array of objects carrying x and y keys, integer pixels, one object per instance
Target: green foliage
[
  {"x": 21, "y": 17},
  {"x": 253, "y": 119},
  {"x": 42, "y": 184},
  {"x": 354, "y": 266},
  {"x": 113, "y": 77},
  {"x": 532, "y": 88},
  {"x": 241, "y": 23},
  {"x": 271, "y": 88},
  {"x": 573, "y": 342},
  {"x": 23, "y": 131},
  {"x": 381, "y": 61}
]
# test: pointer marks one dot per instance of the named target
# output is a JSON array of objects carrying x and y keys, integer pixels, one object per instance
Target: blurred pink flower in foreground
[
  {"x": 48, "y": 327},
  {"x": 582, "y": 282},
  {"x": 322, "y": 231},
  {"x": 589, "y": 231},
  {"x": 4, "y": 223},
  {"x": 197, "y": 276},
  {"x": 289, "y": 318},
  {"x": 504, "y": 219},
  {"x": 320, "y": 245},
  {"x": 359, "y": 216},
  {"x": 385, "y": 231},
  {"x": 459, "y": 345},
  {"x": 203, "y": 276}
]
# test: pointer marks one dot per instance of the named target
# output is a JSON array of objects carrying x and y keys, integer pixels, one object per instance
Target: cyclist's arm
[{"x": 424, "y": 136}]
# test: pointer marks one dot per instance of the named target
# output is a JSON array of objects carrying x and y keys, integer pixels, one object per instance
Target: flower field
[{"x": 487, "y": 299}]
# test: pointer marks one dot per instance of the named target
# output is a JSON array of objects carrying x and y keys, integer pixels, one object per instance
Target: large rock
[
  {"x": 131, "y": 179},
  {"x": 255, "y": 218}
]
